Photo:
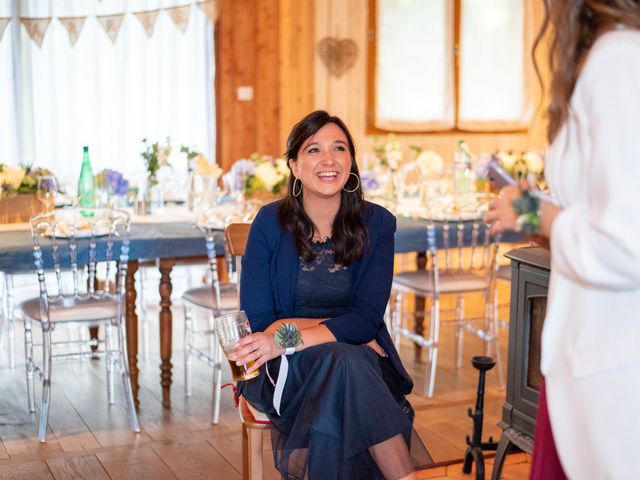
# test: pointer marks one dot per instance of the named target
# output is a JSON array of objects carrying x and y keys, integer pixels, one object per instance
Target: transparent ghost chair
[
  {"x": 461, "y": 258},
  {"x": 7, "y": 314},
  {"x": 211, "y": 300},
  {"x": 71, "y": 238}
]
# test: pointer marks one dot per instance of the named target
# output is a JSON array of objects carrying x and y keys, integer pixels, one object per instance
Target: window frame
[{"x": 491, "y": 128}]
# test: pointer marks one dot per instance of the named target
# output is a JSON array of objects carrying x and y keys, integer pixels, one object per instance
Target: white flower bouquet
[
  {"x": 260, "y": 173},
  {"x": 15, "y": 179},
  {"x": 519, "y": 165},
  {"x": 389, "y": 152}
]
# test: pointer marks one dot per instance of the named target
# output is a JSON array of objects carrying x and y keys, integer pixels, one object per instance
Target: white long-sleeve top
[{"x": 591, "y": 336}]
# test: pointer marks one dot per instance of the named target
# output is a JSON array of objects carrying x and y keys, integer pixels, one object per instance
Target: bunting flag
[
  {"x": 37, "y": 28},
  {"x": 180, "y": 16},
  {"x": 4, "y": 21},
  {"x": 111, "y": 24},
  {"x": 148, "y": 20},
  {"x": 74, "y": 27},
  {"x": 210, "y": 8}
]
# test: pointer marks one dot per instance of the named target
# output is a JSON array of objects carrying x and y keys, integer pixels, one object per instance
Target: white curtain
[
  {"x": 493, "y": 66},
  {"x": 415, "y": 68},
  {"x": 108, "y": 95},
  {"x": 414, "y": 78}
]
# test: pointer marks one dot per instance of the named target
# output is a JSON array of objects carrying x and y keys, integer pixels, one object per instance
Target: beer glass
[{"x": 231, "y": 328}]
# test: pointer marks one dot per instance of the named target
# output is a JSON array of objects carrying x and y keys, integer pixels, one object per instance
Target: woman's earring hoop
[
  {"x": 357, "y": 185},
  {"x": 293, "y": 189}
]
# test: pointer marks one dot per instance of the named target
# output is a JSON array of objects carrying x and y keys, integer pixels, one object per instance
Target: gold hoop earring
[
  {"x": 293, "y": 189},
  {"x": 357, "y": 185}
]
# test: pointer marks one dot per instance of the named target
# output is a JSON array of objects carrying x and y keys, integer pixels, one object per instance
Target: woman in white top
[{"x": 590, "y": 412}]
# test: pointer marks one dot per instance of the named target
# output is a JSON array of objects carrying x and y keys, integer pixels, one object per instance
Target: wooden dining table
[{"x": 169, "y": 242}]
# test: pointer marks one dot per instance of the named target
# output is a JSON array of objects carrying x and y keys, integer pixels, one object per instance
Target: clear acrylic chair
[
  {"x": 74, "y": 237},
  {"x": 7, "y": 311},
  {"x": 212, "y": 300},
  {"x": 461, "y": 258}
]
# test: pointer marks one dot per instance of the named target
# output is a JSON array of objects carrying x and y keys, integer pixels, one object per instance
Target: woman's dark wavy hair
[
  {"x": 349, "y": 234},
  {"x": 575, "y": 26}
]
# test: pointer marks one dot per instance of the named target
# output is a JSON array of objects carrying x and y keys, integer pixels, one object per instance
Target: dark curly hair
[{"x": 349, "y": 234}]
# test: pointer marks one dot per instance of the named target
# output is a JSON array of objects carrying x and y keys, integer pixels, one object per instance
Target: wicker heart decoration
[{"x": 338, "y": 55}]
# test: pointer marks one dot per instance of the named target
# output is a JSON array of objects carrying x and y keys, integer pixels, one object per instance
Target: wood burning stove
[{"x": 529, "y": 285}]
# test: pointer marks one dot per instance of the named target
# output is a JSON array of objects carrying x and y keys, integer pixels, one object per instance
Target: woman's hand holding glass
[{"x": 258, "y": 348}]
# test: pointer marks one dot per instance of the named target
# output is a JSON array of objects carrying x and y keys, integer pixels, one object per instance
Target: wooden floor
[
  {"x": 89, "y": 439},
  {"x": 516, "y": 467}
]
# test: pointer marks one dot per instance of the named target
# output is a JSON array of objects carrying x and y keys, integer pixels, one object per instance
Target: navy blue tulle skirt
[{"x": 338, "y": 401}]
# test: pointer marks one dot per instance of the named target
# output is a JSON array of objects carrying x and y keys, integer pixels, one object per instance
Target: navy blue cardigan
[{"x": 270, "y": 275}]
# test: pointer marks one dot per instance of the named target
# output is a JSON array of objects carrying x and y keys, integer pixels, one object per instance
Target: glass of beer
[{"x": 231, "y": 328}]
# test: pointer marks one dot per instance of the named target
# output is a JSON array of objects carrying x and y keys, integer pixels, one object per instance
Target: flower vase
[
  {"x": 191, "y": 188},
  {"x": 154, "y": 197},
  {"x": 389, "y": 183}
]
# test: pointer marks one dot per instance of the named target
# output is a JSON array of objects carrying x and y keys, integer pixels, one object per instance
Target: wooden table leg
[
  {"x": 132, "y": 327},
  {"x": 418, "y": 322},
  {"x": 166, "y": 320},
  {"x": 93, "y": 331}
]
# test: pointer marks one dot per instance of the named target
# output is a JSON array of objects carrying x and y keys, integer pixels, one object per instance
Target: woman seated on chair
[{"x": 316, "y": 278}]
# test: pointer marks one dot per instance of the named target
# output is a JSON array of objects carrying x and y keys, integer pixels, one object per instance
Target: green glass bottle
[{"x": 86, "y": 189}]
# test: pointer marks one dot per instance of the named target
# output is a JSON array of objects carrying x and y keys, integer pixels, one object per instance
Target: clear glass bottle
[
  {"x": 86, "y": 187},
  {"x": 462, "y": 170}
]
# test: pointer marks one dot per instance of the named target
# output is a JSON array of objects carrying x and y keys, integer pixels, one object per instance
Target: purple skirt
[{"x": 546, "y": 463}]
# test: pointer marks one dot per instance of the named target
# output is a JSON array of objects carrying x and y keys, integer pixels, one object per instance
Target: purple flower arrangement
[
  {"x": 112, "y": 181},
  {"x": 369, "y": 180},
  {"x": 240, "y": 171}
]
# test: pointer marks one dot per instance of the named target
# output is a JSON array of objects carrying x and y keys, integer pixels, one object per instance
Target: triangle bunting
[
  {"x": 74, "y": 27},
  {"x": 111, "y": 25},
  {"x": 4, "y": 21},
  {"x": 148, "y": 20},
  {"x": 180, "y": 16},
  {"x": 37, "y": 28},
  {"x": 210, "y": 8}
]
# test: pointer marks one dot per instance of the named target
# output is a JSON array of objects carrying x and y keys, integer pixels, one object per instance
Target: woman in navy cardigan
[{"x": 317, "y": 274}]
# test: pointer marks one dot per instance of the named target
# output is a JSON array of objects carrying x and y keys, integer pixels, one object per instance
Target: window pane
[
  {"x": 492, "y": 83},
  {"x": 414, "y": 88}
]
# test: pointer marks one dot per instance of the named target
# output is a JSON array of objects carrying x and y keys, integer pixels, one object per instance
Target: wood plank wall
[
  {"x": 247, "y": 35},
  {"x": 344, "y": 96},
  {"x": 296, "y": 64},
  {"x": 271, "y": 46},
  {"x": 266, "y": 45}
]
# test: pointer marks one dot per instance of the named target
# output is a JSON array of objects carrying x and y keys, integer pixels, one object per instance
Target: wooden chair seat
[{"x": 250, "y": 416}]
